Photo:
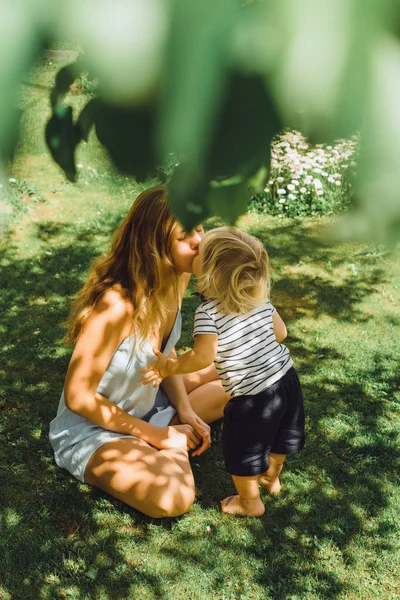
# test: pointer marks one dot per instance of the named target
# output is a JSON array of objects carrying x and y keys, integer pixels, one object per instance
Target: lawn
[{"x": 333, "y": 533}]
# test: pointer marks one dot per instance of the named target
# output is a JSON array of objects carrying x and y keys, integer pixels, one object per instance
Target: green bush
[{"x": 306, "y": 180}]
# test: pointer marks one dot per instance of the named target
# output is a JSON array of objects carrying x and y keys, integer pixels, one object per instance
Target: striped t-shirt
[{"x": 249, "y": 359}]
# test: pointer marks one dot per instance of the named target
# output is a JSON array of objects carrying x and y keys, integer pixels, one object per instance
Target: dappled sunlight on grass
[{"x": 313, "y": 542}]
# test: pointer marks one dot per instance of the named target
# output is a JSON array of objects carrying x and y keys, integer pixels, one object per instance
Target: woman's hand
[
  {"x": 203, "y": 430},
  {"x": 177, "y": 436}
]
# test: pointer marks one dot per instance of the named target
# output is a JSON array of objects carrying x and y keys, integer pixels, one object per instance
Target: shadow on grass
[{"x": 59, "y": 538}]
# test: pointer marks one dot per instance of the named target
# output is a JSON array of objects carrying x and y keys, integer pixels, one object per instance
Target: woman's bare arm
[
  {"x": 175, "y": 389},
  {"x": 108, "y": 324}
]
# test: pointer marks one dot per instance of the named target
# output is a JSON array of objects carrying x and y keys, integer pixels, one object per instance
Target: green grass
[{"x": 333, "y": 533}]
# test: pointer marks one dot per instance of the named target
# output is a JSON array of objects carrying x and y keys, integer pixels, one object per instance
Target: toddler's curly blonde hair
[{"x": 234, "y": 270}]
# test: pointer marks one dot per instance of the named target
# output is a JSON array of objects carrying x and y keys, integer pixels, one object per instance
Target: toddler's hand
[{"x": 155, "y": 372}]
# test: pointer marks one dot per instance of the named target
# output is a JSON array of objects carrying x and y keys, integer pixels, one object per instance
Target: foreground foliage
[
  {"x": 334, "y": 532},
  {"x": 213, "y": 83}
]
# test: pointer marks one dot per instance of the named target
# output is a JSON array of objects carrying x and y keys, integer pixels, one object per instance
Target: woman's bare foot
[
  {"x": 234, "y": 505},
  {"x": 273, "y": 487}
]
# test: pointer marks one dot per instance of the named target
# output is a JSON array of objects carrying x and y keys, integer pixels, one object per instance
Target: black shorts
[{"x": 254, "y": 426}]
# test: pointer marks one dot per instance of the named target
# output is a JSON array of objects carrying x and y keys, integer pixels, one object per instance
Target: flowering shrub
[{"x": 306, "y": 180}]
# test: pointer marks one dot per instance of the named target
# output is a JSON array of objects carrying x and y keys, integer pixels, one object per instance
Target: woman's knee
[
  {"x": 199, "y": 378},
  {"x": 170, "y": 503},
  {"x": 157, "y": 483}
]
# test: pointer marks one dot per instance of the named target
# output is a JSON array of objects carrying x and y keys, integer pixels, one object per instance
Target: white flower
[
  {"x": 331, "y": 180},
  {"x": 320, "y": 192},
  {"x": 317, "y": 170},
  {"x": 79, "y": 166},
  {"x": 271, "y": 182},
  {"x": 12, "y": 180},
  {"x": 266, "y": 190},
  {"x": 317, "y": 183},
  {"x": 295, "y": 182},
  {"x": 337, "y": 182},
  {"x": 281, "y": 191},
  {"x": 282, "y": 200},
  {"x": 303, "y": 190},
  {"x": 292, "y": 196},
  {"x": 291, "y": 187},
  {"x": 280, "y": 179}
]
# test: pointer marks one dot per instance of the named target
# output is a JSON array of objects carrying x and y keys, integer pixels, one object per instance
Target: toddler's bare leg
[
  {"x": 248, "y": 502},
  {"x": 270, "y": 479}
]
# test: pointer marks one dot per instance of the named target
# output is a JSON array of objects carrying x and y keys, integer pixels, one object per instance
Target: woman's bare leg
[
  {"x": 159, "y": 483},
  {"x": 270, "y": 479},
  {"x": 206, "y": 394}
]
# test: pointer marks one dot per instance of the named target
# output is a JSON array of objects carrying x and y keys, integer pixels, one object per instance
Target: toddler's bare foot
[
  {"x": 273, "y": 487},
  {"x": 234, "y": 505}
]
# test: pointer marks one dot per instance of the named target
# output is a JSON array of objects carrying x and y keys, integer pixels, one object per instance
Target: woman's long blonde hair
[
  {"x": 235, "y": 270},
  {"x": 140, "y": 261}
]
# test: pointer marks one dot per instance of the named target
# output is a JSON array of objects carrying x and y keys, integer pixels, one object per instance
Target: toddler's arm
[
  {"x": 200, "y": 357},
  {"x": 279, "y": 327}
]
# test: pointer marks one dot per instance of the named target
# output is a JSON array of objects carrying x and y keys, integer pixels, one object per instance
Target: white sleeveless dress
[{"x": 74, "y": 439}]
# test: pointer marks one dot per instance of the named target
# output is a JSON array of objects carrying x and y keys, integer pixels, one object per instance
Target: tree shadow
[{"x": 60, "y": 537}]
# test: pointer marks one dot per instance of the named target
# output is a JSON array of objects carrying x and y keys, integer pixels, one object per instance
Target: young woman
[
  {"x": 110, "y": 431},
  {"x": 237, "y": 328}
]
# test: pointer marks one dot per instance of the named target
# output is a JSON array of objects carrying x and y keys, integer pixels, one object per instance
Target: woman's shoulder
[{"x": 115, "y": 302}]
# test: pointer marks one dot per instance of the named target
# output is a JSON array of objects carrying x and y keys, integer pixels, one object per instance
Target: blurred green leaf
[
  {"x": 379, "y": 170},
  {"x": 308, "y": 73},
  {"x": 123, "y": 42},
  {"x": 188, "y": 189},
  {"x": 228, "y": 200},
  {"x": 246, "y": 123},
  {"x": 196, "y": 65},
  {"x": 212, "y": 82},
  {"x": 349, "y": 110},
  {"x": 257, "y": 181},
  {"x": 128, "y": 134},
  {"x": 19, "y": 44}
]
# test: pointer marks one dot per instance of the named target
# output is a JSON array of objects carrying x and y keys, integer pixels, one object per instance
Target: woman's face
[{"x": 185, "y": 247}]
